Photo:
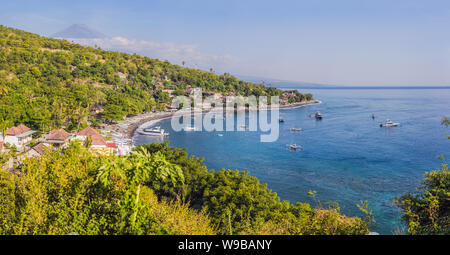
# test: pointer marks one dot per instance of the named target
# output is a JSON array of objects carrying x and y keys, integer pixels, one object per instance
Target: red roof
[
  {"x": 59, "y": 134},
  {"x": 98, "y": 140},
  {"x": 17, "y": 130},
  {"x": 40, "y": 148},
  {"x": 111, "y": 145},
  {"x": 88, "y": 131},
  {"x": 1, "y": 145}
]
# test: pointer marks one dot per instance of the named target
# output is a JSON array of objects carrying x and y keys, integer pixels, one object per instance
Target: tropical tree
[{"x": 427, "y": 210}]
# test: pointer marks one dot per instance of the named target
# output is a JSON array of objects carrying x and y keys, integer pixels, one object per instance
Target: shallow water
[{"x": 347, "y": 157}]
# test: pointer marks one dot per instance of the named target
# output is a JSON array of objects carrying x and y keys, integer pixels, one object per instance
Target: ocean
[{"x": 346, "y": 157}]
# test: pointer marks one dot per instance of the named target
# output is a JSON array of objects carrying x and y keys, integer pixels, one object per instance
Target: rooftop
[
  {"x": 20, "y": 129},
  {"x": 59, "y": 135},
  {"x": 88, "y": 131}
]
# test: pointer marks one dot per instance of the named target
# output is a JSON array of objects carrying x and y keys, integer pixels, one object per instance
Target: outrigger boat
[
  {"x": 156, "y": 131},
  {"x": 294, "y": 146},
  {"x": 389, "y": 123}
]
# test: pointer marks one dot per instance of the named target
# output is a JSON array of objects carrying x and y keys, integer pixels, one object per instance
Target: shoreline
[{"x": 126, "y": 128}]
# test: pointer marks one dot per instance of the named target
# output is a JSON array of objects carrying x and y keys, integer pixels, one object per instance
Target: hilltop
[{"x": 47, "y": 83}]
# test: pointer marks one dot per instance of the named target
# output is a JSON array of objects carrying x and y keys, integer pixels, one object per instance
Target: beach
[{"x": 125, "y": 129}]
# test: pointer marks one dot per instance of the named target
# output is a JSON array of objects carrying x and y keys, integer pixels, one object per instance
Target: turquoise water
[{"x": 347, "y": 157}]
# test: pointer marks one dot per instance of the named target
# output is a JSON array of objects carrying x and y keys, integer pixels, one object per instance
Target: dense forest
[
  {"x": 47, "y": 83},
  {"x": 156, "y": 189}
]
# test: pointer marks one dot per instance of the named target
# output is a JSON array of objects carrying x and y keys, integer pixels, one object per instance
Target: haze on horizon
[{"x": 347, "y": 42}]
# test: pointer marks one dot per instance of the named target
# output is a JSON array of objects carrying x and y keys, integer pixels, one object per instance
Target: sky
[{"x": 336, "y": 42}]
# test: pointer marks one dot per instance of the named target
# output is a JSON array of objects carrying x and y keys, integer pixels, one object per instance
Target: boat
[
  {"x": 311, "y": 115},
  {"x": 296, "y": 129},
  {"x": 156, "y": 131},
  {"x": 318, "y": 115},
  {"x": 219, "y": 134},
  {"x": 294, "y": 146},
  {"x": 373, "y": 116},
  {"x": 389, "y": 123},
  {"x": 281, "y": 120}
]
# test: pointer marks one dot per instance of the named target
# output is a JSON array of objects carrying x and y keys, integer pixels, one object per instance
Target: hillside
[{"x": 47, "y": 83}]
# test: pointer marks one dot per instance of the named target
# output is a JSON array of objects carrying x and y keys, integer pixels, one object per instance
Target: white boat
[
  {"x": 294, "y": 146},
  {"x": 156, "y": 131},
  {"x": 389, "y": 123}
]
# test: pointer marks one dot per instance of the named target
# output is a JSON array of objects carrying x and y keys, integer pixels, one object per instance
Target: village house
[
  {"x": 18, "y": 136},
  {"x": 98, "y": 142},
  {"x": 85, "y": 132},
  {"x": 58, "y": 138},
  {"x": 38, "y": 150}
]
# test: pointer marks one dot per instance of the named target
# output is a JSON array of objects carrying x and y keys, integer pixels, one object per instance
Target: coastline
[{"x": 126, "y": 128}]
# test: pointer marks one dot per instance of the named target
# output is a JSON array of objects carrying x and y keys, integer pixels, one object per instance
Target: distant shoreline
[
  {"x": 360, "y": 87},
  {"x": 125, "y": 129}
]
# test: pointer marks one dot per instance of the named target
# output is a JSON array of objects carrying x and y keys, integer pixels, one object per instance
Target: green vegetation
[
  {"x": 156, "y": 190},
  {"x": 47, "y": 83},
  {"x": 427, "y": 211}
]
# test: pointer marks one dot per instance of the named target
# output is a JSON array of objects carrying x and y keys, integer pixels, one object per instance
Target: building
[
  {"x": 18, "y": 136},
  {"x": 98, "y": 143},
  {"x": 58, "y": 137},
  {"x": 38, "y": 150},
  {"x": 87, "y": 131}
]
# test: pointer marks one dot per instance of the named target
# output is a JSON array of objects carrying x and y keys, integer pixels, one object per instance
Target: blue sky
[{"x": 342, "y": 42}]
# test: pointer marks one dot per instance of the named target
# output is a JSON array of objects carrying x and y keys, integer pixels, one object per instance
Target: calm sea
[{"x": 347, "y": 157}]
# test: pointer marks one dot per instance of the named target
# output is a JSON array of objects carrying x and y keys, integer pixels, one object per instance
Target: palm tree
[{"x": 138, "y": 169}]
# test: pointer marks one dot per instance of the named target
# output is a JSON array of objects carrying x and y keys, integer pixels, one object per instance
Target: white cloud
[{"x": 175, "y": 53}]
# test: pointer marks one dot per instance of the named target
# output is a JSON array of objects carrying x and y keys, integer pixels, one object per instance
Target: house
[
  {"x": 84, "y": 133},
  {"x": 38, "y": 150},
  {"x": 58, "y": 137},
  {"x": 98, "y": 142},
  {"x": 1, "y": 146},
  {"x": 18, "y": 136}
]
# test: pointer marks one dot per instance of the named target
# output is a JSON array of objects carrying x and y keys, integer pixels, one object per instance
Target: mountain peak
[{"x": 79, "y": 31}]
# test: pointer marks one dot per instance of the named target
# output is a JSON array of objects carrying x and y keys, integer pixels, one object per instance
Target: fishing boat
[
  {"x": 296, "y": 129},
  {"x": 389, "y": 123},
  {"x": 318, "y": 115},
  {"x": 156, "y": 131},
  {"x": 281, "y": 120},
  {"x": 294, "y": 146}
]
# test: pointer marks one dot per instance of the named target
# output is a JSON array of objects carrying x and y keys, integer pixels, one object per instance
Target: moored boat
[
  {"x": 156, "y": 131},
  {"x": 389, "y": 123},
  {"x": 294, "y": 146},
  {"x": 318, "y": 115}
]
